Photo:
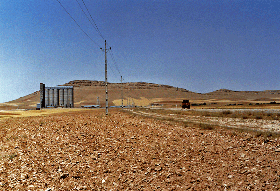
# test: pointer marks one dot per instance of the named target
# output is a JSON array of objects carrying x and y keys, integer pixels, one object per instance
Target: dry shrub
[
  {"x": 227, "y": 112},
  {"x": 274, "y": 116},
  {"x": 258, "y": 117},
  {"x": 12, "y": 156},
  {"x": 267, "y": 134},
  {"x": 206, "y": 114},
  {"x": 206, "y": 126},
  {"x": 235, "y": 115}
]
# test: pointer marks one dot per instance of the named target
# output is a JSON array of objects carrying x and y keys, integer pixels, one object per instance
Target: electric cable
[
  {"x": 114, "y": 60},
  {"x": 112, "y": 70},
  {"x": 95, "y": 27},
  {"x": 78, "y": 24},
  {"x": 93, "y": 21}
]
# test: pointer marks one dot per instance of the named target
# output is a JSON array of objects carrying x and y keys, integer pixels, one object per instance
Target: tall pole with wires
[
  {"x": 106, "y": 79},
  {"x": 89, "y": 17},
  {"x": 122, "y": 91}
]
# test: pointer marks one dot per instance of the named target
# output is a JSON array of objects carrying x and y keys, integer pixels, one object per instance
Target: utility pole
[
  {"x": 106, "y": 82},
  {"x": 122, "y": 91}
]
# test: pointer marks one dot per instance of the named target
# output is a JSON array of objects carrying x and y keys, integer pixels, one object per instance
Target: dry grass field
[
  {"x": 87, "y": 150},
  {"x": 29, "y": 113}
]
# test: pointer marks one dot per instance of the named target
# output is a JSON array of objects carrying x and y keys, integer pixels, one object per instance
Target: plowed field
[{"x": 86, "y": 150}]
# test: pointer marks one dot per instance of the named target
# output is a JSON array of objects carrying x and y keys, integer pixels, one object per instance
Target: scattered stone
[
  {"x": 158, "y": 168},
  {"x": 64, "y": 176},
  {"x": 159, "y": 155}
]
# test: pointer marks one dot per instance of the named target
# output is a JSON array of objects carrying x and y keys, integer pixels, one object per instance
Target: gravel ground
[{"x": 90, "y": 151}]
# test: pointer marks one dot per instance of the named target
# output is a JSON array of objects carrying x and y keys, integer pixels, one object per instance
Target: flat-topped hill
[{"x": 86, "y": 92}]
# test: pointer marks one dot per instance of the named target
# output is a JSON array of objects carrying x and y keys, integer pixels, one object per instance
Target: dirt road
[
  {"x": 87, "y": 150},
  {"x": 238, "y": 123}
]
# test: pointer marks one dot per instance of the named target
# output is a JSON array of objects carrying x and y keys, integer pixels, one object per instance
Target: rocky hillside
[
  {"x": 128, "y": 85},
  {"x": 87, "y": 92}
]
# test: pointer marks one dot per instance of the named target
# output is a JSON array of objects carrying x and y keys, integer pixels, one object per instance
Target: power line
[
  {"x": 112, "y": 70},
  {"x": 77, "y": 23},
  {"x": 114, "y": 61},
  {"x": 93, "y": 21},
  {"x": 95, "y": 27}
]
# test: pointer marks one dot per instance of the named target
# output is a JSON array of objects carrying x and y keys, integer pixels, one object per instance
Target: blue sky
[{"x": 199, "y": 45}]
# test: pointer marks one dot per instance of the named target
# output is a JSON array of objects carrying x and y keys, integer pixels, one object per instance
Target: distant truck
[{"x": 186, "y": 104}]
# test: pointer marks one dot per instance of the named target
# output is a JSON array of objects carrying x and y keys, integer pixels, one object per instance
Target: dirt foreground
[{"x": 86, "y": 150}]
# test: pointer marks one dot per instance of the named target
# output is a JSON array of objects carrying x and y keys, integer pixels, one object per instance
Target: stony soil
[{"x": 90, "y": 151}]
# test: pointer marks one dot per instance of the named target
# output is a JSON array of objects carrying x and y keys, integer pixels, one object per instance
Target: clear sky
[{"x": 199, "y": 45}]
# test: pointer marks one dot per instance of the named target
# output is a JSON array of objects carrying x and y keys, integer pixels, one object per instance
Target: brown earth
[
  {"x": 147, "y": 94},
  {"x": 87, "y": 150}
]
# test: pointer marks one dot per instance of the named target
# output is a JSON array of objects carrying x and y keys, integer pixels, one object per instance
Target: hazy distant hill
[{"x": 143, "y": 94}]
